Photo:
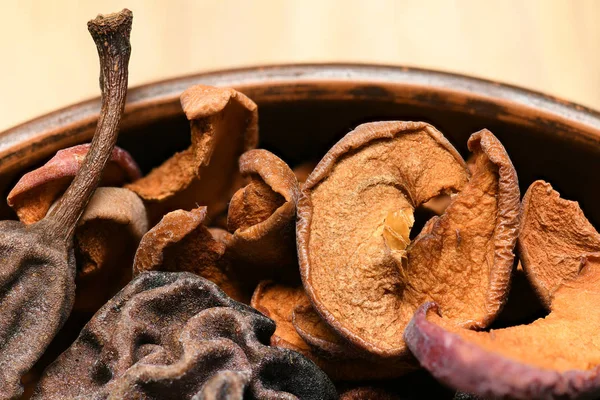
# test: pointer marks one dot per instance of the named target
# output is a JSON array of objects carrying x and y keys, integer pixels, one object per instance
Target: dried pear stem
[
  {"x": 111, "y": 35},
  {"x": 37, "y": 264}
]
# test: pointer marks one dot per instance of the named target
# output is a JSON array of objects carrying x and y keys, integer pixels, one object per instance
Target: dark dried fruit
[
  {"x": 355, "y": 216},
  {"x": 224, "y": 124},
  {"x": 106, "y": 240},
  {"x": 37, "y": 279},
  {"x": 301, "y": 329},
  {"x": 180, "y": 242},
  {"x": 557, "y": 356},
  {"x": 262, "y": 218},
  {"x": 177, "y": 335}
]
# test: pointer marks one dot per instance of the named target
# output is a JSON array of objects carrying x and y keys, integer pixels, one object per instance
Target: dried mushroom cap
[
  {"x": 224, "y": 124},
  {"x": 38, "y": 264},
  {"x": 37, "y": 190},
  {"x": 299, "y": 328},
  {"x": 262, "y": 217},
  {"x": 180, "y": 242},
  {"x": 106, "y": 240},
  {"x": 557, "y": 356},
  {"x": 354, "y": 216},
  {"x": 177, "y": 335},
  {"x": 554, "y": 236}
]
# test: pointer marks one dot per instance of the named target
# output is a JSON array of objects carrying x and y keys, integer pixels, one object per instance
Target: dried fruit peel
[
  {"x": 300, "y": 329},
  {"x": 557, "y": 356},
  {"x": 554, "y": 236},
  {"x": 262, "y": 218},
  {"x": 224, "y": 124},
  {"x": 366, "y": 291},
  {"x": 37, "y": 190},
  {"x": 181, "y": 242}
]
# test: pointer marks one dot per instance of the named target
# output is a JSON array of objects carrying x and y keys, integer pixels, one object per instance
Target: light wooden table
[{"x": 49, "y": 60}]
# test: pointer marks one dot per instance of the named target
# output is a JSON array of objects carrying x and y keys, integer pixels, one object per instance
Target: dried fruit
[
  {"x": 37, "y": 190},
  {"x": 554, "y": 236},
  {"x": 557, "y": 356},
  {"x": 177, "y": 335},
  {"x": 180, "y": 242},
  {"x": 355, "y": 214},
  {"x": 37, "y": 279},
  {"x": 224, "y": 124},
  {"x": 106, "y": 240},
  {"x": 299, "y": 328},
  {"x": 262, "y": 218}
]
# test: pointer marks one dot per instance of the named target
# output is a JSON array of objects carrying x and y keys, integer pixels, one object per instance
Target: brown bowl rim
[{"x": 524, "y": 106}]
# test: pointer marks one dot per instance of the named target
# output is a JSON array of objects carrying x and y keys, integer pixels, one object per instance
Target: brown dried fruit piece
[
  {"x": 224, "y": 124},
  {"x": 180, "y": 242},
  {"x": 557, "y": 356},
  {"x": 262, "y": 218},
  {"x": 299, "y": 328},
  {"x": 38, "y": 269},
  {"x": 554, "y": 236},
  {"x": 354, "y": 219},
  {"x": 37, "y": 190},
  {"x": 176, "y": 335},
  {"x": 106, "y": 240}
]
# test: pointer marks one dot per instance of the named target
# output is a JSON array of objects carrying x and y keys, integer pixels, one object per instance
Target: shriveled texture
[
  {"x": 224, "y": 124},
  {"x": 176, "y": 335},
  {"x": 554, "y": 236},
  {"x": 106, "y": 240},
  {"x": 367, "y": 287},
  {"x": 38, "y": 267},
  {"x": 262, "y": 218},
  {"x": 557, "y": 356},
  {"x": 37, "y": 190},
  {"x": 299, "y": 328},
  {"x": 180, "y": 242}
]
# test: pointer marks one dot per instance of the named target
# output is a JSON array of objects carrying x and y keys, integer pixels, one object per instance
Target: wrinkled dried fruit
[
  {"x": 106, "y": 240},
  {"x": 180, "y": 242},
  {"x": 354, "y": 216},
  {"x": 262, "y": 218},
  {"x": 37, "y": 190},
  {"x": 554, "y": 236},
  {"x": 299, "y": 328},
  {"x": 557, "y": 356},
  {"x": 224, "y": 124},
  {"x": 38, "y": 269},
  {"x": 177, "y": 335}
]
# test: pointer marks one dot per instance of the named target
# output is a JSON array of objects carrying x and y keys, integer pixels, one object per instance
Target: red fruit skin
[{"x": 468, "y": 368}]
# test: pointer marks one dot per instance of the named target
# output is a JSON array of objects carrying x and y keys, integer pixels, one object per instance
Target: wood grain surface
[{"x": 49, "y": 60}]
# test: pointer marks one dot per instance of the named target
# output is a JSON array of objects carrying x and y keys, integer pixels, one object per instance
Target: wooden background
[{"x": 49, "y": 60}]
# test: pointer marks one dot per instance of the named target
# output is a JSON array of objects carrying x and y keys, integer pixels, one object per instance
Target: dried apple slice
[
  {"x": 262, "y": 218},
  {"x": 224, "y": 124},
  {"x": 300, "y": 329},
  {"x": 180, "y": 242},
  {"x": 37, "y": 190},
  {"x": 554, "y": 236},
  {"x": 354, "y": 219},
  {"x": 554, "y": 357}
]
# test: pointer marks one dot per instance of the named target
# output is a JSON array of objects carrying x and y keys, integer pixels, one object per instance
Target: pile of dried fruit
[{"x": 358, "y": 290}]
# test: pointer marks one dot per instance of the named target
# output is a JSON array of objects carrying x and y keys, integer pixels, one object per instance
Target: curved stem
[{"x": 111, "y": 35}]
